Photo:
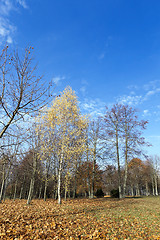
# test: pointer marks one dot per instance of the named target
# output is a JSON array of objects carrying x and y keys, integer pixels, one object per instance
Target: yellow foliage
[{"x": 64, "y": 127}]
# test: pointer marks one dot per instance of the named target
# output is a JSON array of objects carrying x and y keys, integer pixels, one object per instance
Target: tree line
[{"x": 50, "y": 149}]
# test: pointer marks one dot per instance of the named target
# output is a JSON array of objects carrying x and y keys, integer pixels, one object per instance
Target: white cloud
[
  {"x": 146, "y": 113},
  {"x": 94, "y": 107},
  {"x": 152, "y": 85},
  {"x": 83, "y": 90},
  {"x": 147, "y": 90},
  {"x": 130, "y": 100},
  {"x": 133, "y": 87},
  {"x": 57, "y": 79},
  {"x": 7, "y": 28},
  {"x": 9, "y": 40},
  {"x": 101, "y": 56},
  {"x": 151, "y": 92},
  {"x": 103, "y": 53},
  {"x": 6, "y": 6},
  {"x": 22, "y": 3},
  {"x": 84, "y": 82}
]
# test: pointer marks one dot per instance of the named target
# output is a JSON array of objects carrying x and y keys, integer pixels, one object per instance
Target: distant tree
[
  {"x": 112, "y": 134},
  {"x": 153, "y": 164},
  {"x": 84, "y": 178},
  {"x": 136, "y": 177},
  {"x": 5, "y": 166},
  {"x": 7, "y": 163},
  {"x": 35, "y": 149},
  {"x": 131, "y": 128},
  {"x": 124, "y": 136},
  {"x": 110, "y": 179}
]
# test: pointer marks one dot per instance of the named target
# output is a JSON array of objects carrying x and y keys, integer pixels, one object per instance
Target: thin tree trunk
[
  {"x": 56, "y": 194},
  {"x": 20, "y": 195},
  {"x": 21, "y": 191},
  {"x": 153, "y": 190},
  {"x": 30, "y": 191},
  {"x": 89, "y": 185},
  {"x": 59, "y": 179},
  {"x": 45, "y": 188},
  {"x": 119, "y": 170},
  {"x": 65, "y": 193},
  {"x": 132, "y": 191},
  {"x": 147, "y": 192},
  {"x": 93, "y": 175},
  {"x": 156, "y": 185},
  {"x": 40, "y": 191},
  {"x": 126, "y": 166},
  {"x": 15, "y": 190},
  {"x": 4, "y": 179},
  {"x": 69, "y": 194},
  {"x": 75, "y": 185},
  {"x": 137, "y": 190},
  {"x": 30, "y": 195},
  {"x": 2, "y": 189}
]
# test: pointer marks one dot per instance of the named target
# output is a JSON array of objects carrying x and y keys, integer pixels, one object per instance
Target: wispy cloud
[
  {"x": 104, "y": 51},
  {"x": 83, "y": 89},
  {"x": 146, "y": 92},
  {"x": 146, "y": 113},
  {"x": 102, "y": 55},
  {"x": 57, "y": 79},
  {"x": 94, "y": 107},
  {"x": 7, "y": 28},
  {"x": 130, "y": 100},
  {"x": 133, "y": 87},
  {"x": 152, "y": 85},
  {"x": 22, "y": 3},
  {"x": 151, "y": 93}
]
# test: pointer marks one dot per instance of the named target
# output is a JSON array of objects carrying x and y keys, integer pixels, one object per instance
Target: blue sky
[{"x": 107, "y": 51}]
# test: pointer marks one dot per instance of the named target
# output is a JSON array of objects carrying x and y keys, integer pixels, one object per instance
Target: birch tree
[{"x": 67, "y": 124}]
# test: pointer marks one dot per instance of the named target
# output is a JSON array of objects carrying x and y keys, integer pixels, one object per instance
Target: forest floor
[{"x": 104, "y": 218}]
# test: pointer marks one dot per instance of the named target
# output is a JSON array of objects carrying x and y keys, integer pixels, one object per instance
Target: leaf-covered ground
[{"x": 81, "y": 219}]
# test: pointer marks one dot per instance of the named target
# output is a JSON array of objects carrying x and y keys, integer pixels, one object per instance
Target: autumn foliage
[{"x": 81, "y": 219}]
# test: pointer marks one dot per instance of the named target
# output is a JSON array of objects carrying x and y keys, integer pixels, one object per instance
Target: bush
[
  {"x": 99, "y": 193},
  {"x": 114, "y": 193}
]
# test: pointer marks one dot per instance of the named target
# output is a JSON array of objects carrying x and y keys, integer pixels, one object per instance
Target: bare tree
[
  {"x": 131, "y": 128},
  {"x": 21, "y": 92},
  {"x": 123, "y": 133},
  {"x": 112, "y": 136},
  {"x": 95, "y": 148}
]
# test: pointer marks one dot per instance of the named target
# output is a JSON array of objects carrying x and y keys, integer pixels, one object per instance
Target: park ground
[{"x": 103, "y": 218}]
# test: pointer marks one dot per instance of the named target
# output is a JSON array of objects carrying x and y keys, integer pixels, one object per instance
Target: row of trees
[
  {"x": 62, "y": 152},
  {"x": 143, "y": 177},
  {"x": 142, "y": 180}
]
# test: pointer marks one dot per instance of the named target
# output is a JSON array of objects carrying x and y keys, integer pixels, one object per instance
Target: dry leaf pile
[{"x": 81, "y": 219}]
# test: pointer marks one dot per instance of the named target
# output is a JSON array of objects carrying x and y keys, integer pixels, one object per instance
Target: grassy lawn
[{"x": 130, "y": 218}]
